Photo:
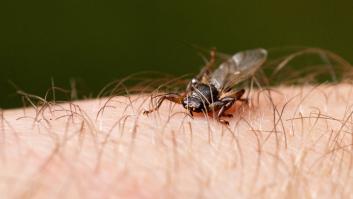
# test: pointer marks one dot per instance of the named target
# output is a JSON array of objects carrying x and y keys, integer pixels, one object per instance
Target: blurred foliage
[{"x": 91, "y": 43}]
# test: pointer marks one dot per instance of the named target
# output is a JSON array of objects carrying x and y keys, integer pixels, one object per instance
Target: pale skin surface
[{"x": 302, "y": 148}]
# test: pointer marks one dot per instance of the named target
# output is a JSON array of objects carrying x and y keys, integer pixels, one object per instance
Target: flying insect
[{"x": 214, "y": 90}]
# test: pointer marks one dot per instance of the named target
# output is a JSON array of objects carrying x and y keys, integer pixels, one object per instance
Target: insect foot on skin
[{"x": 214, "y": 90}]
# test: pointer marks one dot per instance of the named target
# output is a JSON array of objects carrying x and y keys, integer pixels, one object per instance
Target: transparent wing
[{"x": 239, "y": 67}]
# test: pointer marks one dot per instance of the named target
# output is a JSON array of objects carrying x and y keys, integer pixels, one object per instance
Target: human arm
[{"x": 290, "y": 142}]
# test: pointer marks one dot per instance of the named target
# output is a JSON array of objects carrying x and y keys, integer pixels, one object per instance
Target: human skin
[{"x": 288, "y": 142}]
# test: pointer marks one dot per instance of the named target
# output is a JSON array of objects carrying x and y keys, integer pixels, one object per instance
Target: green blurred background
[{"x": 95, "y": 42}]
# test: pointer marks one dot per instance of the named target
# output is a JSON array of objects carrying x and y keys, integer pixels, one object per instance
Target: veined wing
[{"x": 239, "y": 67}]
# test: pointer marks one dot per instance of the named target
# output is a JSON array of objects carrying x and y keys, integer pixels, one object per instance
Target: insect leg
[
  {"x": 205, "y": 71},
  {"x": 227, "y": 103},
  {"x": 221, "y": 106},
  {"x": 238, "y": 96},
  {"x": 176, "y": 98},
  {"x": 245, "y": 100},
  {"x": 233, "y": 94},
  {"x": 227, "y": 115}
]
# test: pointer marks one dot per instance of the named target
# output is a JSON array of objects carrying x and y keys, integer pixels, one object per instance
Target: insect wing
[{"x": 239, "y": 67}]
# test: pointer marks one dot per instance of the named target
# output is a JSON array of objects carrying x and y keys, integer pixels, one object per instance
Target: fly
[{"x": 213, "y": 90}]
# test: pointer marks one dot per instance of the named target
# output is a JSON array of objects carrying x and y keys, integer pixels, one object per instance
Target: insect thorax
[
  {"x": 209, "y": 92},
  {"x": 201, "y": 96}
]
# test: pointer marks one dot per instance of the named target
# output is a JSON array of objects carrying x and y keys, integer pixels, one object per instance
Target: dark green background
[{"x": 95, "y": 42}]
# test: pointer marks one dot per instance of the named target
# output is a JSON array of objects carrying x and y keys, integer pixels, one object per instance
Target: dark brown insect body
[
  {"x": 212, "y": 91},
  {"x": 200, "y": 98}
]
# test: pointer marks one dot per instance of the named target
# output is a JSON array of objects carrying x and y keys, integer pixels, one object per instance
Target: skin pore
[{"x": 290, "y": 142}]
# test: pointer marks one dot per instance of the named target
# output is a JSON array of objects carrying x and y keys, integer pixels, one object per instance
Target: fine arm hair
[{"x": 289, "y": 142}]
